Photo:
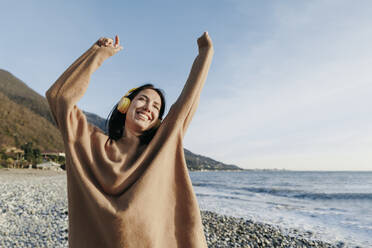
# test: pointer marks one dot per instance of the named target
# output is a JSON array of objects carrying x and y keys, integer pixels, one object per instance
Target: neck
[{"x": 131, "y": 135}]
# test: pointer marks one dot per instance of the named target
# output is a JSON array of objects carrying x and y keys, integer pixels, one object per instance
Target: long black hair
[{"x": 115, "y": 122}]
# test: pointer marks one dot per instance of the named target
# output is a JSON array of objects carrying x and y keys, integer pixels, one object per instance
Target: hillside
[
  {"x": 20, "y": 125},
  {"x": 20, "y": 93},
  {"x": 25, "y": 117},
  {"x": 199, "y": 162},
  {"x": 96, "y": 120}
]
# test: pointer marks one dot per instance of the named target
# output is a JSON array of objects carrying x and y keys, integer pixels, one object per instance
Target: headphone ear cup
[{"x": 123, "y": 105}]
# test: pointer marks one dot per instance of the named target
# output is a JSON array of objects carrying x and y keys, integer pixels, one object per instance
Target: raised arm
[
  {"x": 186, "y": 104},
  {"x": 72, "y": 84}
]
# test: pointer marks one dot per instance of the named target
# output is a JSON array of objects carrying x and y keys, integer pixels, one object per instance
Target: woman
[
  {"x": 132, "y": 189},
  {"x": 139, "y": 113}
]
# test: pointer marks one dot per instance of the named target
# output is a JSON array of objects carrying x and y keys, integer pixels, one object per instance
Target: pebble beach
[{"x": 34, "y": 214}]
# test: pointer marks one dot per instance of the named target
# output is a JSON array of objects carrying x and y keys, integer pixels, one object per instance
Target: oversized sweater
[{"x": 125, "y": 193}]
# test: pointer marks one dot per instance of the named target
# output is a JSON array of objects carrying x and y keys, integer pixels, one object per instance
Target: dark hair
[{"x": 115, "y": 122}]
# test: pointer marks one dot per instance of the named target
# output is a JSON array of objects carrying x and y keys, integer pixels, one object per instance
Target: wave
[
  {"x": 272, "y": 191},
  {"x": 335, "y": 196},
  {"x": 207, "y": 185},
  {"x": 282, "y": 192},
  {"x": 307, "y": 195},
  {"x": 219, "y": 196}
]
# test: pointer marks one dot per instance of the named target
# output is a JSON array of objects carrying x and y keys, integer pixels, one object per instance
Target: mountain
[
  {"x": 20, "y": 93},
  {"x": 96, "y": 120},
  {"x": 20, "y": 125},
  {"x": 25, "y": 117},
  {"x": 199, "y": 162}
]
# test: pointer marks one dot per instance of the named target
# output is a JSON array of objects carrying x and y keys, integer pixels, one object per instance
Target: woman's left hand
[{"x": 205, "y": 42}]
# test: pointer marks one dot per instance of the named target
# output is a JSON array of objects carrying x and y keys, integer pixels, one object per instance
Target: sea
[{"x": 331, "y": 206}]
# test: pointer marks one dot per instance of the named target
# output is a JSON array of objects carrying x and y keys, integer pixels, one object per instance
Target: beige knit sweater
[{"x": 124, "y": 193}]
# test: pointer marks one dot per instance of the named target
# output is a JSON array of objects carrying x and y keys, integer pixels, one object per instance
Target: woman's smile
[{"x": 143, "y": 116}]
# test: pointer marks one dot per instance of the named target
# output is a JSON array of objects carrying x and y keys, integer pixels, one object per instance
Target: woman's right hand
[{"x": 108, "y": 42}]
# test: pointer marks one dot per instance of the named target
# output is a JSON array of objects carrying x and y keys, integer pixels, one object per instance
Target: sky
[{"x": 290, "y": 85}]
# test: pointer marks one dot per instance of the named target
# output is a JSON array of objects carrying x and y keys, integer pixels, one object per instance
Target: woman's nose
[{"x": 146, "y": 107}]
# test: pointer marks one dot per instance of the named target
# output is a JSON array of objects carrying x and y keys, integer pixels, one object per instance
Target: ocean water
[{"x": 333, "y": 206}]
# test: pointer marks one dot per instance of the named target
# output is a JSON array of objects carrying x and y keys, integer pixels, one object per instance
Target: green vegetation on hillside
[
  {"x": 20, "y": 125},
  {"x": 198, "y": 162},
  {"x": 20, "y": 93}
]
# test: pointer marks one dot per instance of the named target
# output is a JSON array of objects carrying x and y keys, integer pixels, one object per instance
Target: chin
[{"x": 142, "y": 127}]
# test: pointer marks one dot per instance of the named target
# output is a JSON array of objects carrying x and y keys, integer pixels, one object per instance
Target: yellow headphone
[{"x": 124, "y": 102}]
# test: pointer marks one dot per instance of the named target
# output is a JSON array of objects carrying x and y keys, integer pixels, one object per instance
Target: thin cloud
[{"x": 300, "y": 92}]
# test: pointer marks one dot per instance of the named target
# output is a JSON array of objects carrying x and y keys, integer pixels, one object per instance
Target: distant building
[
  {"x": 14, "y": 150},
  {"x": 53, "y": 153},
  {"x": 50, "y": 165},
  {"x": 14, "y": 153}
]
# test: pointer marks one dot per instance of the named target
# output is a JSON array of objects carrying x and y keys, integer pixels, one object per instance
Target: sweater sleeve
[
  {"x": 63, "y": 95},
  {"x": 184, "y": 108}
]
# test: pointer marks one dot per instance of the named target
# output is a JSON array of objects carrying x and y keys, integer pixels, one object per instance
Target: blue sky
[{"x": 290, "y": 85}]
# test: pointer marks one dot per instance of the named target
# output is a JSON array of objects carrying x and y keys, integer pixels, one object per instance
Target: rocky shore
[
  {"x": 226, "y": 231},
  {"x": 33, "y": 213}
]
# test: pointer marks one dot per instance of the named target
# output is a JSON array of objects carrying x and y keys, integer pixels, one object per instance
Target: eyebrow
[{"x": 148, "y": 99}]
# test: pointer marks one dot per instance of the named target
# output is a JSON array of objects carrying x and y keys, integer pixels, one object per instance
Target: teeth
[{"x": 144, "y": 116}]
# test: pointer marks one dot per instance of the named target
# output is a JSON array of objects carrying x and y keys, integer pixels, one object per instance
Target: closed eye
[{"x": 145, "y": 98}]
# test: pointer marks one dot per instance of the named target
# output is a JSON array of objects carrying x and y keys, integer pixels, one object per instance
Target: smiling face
[{"x": 143, "y": 111}]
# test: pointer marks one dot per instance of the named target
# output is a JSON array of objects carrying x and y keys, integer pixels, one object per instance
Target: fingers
[
  {"x": 104, "y": 41},
  {"x": 205, "y": 40},
  {"x": 205, "y": 35},
  {"x": 116, "y": 41},
  {"x": 108, "y": 42},
  {"x": 100, "y": 41}
]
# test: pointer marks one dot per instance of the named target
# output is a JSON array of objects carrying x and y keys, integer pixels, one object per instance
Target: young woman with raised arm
[{"x": 130, "y": 187}]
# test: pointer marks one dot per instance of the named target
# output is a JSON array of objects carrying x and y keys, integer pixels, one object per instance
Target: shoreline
[
  {"x": 34, "y": 214},
  {"x": 227, "y": 231}
]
